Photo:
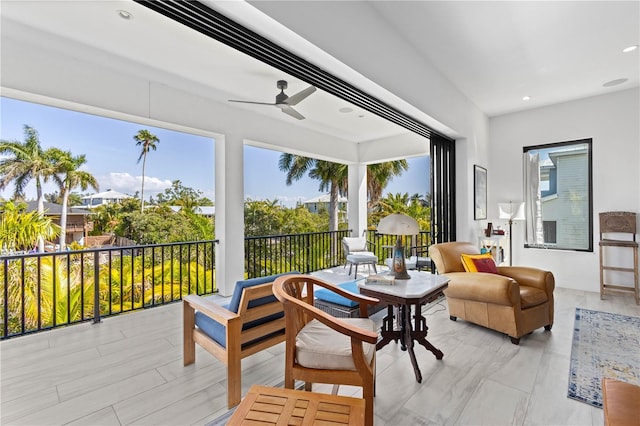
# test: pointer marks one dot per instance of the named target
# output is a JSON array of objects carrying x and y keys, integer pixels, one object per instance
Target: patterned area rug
[{"x": 604, "y": 345}]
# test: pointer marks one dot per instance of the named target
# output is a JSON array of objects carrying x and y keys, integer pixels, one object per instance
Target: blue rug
[{"x": 604, "y": 345}]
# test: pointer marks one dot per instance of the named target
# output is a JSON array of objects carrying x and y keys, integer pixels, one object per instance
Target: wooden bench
[
  {"x": 252, "y": 321},
  {"x": 270, "y": 406}
]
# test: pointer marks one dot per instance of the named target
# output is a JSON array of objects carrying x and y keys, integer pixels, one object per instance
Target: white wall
[{"x": 613, "y": 122}]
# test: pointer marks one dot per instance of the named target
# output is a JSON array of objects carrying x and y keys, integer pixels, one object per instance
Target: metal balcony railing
[
  {"x": 42, "y": 291},
  {"x": 274, "y": 254},
  {"x": 46, "y": 290}
]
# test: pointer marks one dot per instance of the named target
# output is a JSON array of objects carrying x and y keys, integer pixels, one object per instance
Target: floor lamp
[
  {"x": 399, "y": 224},
  {"x": 511, "y": 211}
]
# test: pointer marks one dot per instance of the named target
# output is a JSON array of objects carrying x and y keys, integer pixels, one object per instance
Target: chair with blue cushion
[
  {"x": 332, "y": 303},
  {"x": 252, "y": 321}
]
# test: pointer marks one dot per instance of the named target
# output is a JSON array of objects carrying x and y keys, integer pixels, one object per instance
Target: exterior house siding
[{"x": 569, "y": 207}]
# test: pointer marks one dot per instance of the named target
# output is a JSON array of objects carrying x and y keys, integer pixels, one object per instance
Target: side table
[
  {"x": 420, "y": 289},
  {"x": 267, "y": 405}
]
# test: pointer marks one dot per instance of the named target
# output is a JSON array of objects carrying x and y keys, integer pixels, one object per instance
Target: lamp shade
[
  {"x": 398, "y": 224},
  {"x": 511, "y": 210}
]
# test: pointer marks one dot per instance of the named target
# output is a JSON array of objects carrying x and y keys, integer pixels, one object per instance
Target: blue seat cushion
[
  {"x": 332, "y": 297},
  {"x": 217, "y": 331},
  {"x": 212, "y": 328}
]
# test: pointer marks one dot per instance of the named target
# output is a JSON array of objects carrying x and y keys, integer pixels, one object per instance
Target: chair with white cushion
[
  {"x": 323, "y": 349},
  {"x": 356, "y": 250}
]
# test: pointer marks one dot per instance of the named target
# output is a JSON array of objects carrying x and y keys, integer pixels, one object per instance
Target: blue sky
[{"x": 112, "y": 154}]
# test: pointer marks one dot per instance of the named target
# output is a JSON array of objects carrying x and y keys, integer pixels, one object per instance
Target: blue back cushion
[
  {"x": 234, "y": 304},
  {"x": 329, "y": 296},
  {"x": 217, "y": 331}
]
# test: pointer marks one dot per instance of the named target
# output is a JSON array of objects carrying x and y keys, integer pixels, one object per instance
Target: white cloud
[{"x": 129, "y": 184}]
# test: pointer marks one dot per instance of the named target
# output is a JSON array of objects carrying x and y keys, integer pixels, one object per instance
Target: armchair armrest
[
  {"x": 483, "y": 287},
  {"x": 531, "y": 277},
  {"x": 210, "y": 309}
]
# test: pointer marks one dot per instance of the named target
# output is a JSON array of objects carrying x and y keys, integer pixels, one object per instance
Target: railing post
[
  {"x": 308, "y": 254},
  {"x": 96, "y": 287}
]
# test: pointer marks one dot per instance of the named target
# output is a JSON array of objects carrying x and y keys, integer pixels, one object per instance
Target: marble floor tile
[
  {"x": 493, "y": 403},
  {"x": 128, "y": 369}
]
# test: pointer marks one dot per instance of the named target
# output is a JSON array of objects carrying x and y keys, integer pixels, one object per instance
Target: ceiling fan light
[{"x": 124, "y": 14}]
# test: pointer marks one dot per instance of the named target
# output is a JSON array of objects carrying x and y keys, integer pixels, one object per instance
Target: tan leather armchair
[{"x": 516, "y": 301}]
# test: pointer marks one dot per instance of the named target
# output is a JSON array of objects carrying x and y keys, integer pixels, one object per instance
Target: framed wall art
[{"x": 479, "y": 192}]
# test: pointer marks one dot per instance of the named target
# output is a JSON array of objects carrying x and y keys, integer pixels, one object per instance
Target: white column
[
  {"x": 229, "y": 212},
  {"x": 357, "y": 208}
]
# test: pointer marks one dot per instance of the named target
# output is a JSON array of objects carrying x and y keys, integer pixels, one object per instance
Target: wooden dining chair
[{"x": 323, "y": 349}]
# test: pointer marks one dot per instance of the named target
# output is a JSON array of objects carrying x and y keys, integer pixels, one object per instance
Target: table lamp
[
  {"x": 399, "y": 224},
  {"x": 512, "y": 211}
]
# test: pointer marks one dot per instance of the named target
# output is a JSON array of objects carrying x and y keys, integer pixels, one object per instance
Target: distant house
[
  {"x": 317, "y": 204},
  {"x": 564, "y": 212},
  {"x": 207, "y": 211},
  {"x": 107, "y": 197},
  {"x": 78, "y": 223}
]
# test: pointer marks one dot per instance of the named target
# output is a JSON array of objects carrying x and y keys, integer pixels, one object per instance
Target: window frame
[{"x": 589, "y": 145}]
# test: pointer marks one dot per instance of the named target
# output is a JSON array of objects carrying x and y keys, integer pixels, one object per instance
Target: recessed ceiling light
[
  {"x": 629, "y": 49},
  {"x": 124, "y": 14},
  {"x": 345, "y": 110},
  {"x": 526, "y": 98},
  {"x": 615, "y": 82}
]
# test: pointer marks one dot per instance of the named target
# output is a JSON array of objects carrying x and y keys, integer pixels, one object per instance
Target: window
[
  {"x": 549, "y": 231},
  {"x": 558, "y": 195}
]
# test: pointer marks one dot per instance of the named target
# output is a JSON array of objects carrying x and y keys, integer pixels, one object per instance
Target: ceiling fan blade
[
  {"x": 290, "y": 111},
  {"x": 251, "y": 102},
  {"x": 295, "y": 99}
]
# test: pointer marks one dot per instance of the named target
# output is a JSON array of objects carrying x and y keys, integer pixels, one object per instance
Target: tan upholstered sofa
[{"x": 516, "y": 301}]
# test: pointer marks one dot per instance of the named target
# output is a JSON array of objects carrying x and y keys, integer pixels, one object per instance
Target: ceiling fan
[{"x": 285, "y": 102}]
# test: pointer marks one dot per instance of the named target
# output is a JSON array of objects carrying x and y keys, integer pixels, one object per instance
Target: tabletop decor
[
  {"x": 604, "y": 345},
  {"x": 400, "y": 225}
]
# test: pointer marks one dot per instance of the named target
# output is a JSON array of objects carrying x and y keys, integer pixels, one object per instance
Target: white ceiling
[{"x": 494, "y": 52}]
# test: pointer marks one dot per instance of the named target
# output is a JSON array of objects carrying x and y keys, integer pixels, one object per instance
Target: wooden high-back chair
[
  {"x": 323, "y": 349},
  {"x": 622, "y": 226}
]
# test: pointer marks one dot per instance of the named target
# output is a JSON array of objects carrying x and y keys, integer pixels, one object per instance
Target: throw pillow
[{"x": 479, "y": 263}]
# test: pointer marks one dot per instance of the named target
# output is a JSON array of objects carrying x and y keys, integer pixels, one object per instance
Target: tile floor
[{"x": 128, "y": 370}]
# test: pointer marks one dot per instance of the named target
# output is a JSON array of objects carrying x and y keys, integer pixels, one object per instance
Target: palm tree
[
  {"x": 19, "y": 229},
  {"x": 25, "y": 161},
  {"x": 106, "y": 218},
  {"x": 148, "y": 142},
  {"x": 69, "y": 166},
  {"x": 379, "y": 175},
  {"x": 332, "y": 177}
]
